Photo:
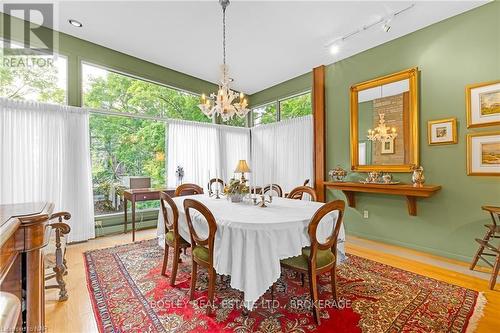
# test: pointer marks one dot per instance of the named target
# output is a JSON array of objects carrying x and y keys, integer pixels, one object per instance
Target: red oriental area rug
[{"x": 130, "y": 295}]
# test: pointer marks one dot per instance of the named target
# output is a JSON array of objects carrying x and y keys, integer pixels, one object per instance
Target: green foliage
[
  {"x": 20, "y": 78},
  {"x": 265, "y": 114},
  {"x": 296, "y": 106},
  {"x": 125, "y": 146},
  {"x": 293, "y": 107},
  {"x": 121, "y": 93},
  {"x": 235, "y": 121}
]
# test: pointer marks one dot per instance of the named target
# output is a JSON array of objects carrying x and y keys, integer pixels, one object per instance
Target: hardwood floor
[{"x": 76, "y": 315}]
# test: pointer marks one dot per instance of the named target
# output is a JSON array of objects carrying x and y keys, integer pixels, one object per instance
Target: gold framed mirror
[{"x": 384, "y": 123}]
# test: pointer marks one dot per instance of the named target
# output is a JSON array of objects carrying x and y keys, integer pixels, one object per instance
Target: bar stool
[{"x": 486, "y": 244}]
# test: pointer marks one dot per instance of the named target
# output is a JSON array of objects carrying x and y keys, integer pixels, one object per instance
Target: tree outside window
[
  {"x": 130, "y": 145},
  {"x": 40, "y": 78},
  {"x": 297, "y": 106},
  {"x": 265, "y": 114}
]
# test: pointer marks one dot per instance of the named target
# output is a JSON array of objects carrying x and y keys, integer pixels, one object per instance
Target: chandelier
[
  {"x": 226, "y": 102},
  {"x": 382, "y": 132}
]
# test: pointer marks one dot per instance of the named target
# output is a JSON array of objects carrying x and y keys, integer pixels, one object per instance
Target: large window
[
  {"x": 296, "y": 106},
  {"x": 235, "y": 121},
  {"x": 265, "y": 114},
  {"x": 291, "y": 107},
  {"x": 41, "y": 78},
  {"x": 116, "y": 92},
  {"x": 132, "y": 144}
]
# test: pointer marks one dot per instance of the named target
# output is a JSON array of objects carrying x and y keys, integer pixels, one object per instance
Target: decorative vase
[
  {"x": 338, "y": 174},
  {"x": 387, "y": 178},
  {"x": 418, "y": 177},
  {"x": 236, "y": 197}
]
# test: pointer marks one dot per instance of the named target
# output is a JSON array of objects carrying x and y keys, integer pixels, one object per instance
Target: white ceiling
[{"x": 268, "y": 42}]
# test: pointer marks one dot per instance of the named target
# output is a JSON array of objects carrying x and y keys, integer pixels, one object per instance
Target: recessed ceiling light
[
  {"x": 75, "y": 23},
  {"x": 335, "y": 48}
]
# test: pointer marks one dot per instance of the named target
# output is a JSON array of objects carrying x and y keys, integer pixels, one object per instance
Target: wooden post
[{"x": 318, "y": 108}]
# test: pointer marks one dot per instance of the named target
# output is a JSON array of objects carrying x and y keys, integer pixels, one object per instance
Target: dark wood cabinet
[{"x": 24, "y": 231}]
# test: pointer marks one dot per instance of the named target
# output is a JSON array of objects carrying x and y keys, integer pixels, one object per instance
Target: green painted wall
[
  {"x": 78, "y": 50},
  {"x": 285, "y": 89},
  {"x": 450, "y": 54}
]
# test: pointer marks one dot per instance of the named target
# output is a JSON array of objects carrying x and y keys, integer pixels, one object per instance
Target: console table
[
  {"x": 24, "y": 231},
  {"x": 409, "y": 191},
  {"x": 138, "y": 195}
]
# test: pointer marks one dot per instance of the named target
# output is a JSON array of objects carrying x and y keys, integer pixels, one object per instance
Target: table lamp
[{"x": 242, "y": 167}]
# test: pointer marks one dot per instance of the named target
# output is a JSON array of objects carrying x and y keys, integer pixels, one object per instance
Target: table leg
[
  {"x": 133, "y": 220},
  {"x": 125, "y": 211}
]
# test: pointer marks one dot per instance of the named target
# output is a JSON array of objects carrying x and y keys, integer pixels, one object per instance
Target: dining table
[{"x": 251, "y": 240}]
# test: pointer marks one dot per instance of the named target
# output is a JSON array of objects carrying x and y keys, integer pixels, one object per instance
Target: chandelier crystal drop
[
  {"x": 226, "y": 103},
  {"x": 382, "y": 132}
]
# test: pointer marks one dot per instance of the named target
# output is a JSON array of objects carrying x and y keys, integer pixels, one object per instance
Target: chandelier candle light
[
  {"x": 382, "y": 132},
  {"x": 226, "y": 103}
]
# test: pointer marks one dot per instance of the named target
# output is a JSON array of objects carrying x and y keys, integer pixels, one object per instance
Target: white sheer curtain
[
  {"x": 193, "y": 146},
  {"x": 204, "y": 150},
  {"x": 45, "y": 156},
  {"x": 282, "y": 152},
  {"x": 235, "y": 146}
]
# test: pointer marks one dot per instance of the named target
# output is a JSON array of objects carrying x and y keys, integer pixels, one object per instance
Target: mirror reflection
[{"x": 383, "y": 113}]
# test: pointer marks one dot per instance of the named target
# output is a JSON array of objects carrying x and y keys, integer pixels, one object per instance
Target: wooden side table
[{"x": 137, "y": 195}]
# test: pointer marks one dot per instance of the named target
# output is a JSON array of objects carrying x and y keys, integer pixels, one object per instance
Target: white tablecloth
[{"x": 250, "y": 241}]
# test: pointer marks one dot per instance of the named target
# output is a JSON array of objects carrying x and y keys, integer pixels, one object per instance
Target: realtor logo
[{"x": 35, "y": 39}]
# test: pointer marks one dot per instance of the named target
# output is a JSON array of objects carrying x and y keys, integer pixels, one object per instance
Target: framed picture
[
  {"x": 483, "y": 154},
  {"x": 483, "y": 104},
  {"x": 387, "y": 147},
  {"x": 442, "y": 131}
]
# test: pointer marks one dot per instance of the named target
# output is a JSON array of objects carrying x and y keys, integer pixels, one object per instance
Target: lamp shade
[{"x": 242, "y": 166}]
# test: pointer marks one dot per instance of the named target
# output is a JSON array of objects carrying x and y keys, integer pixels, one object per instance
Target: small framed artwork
[
  {"x": 387, "y": 147},
  {"x": 483, "y": 104},
  {"x": 442, "y": 131},
  {"x": 483, "y": 154}
]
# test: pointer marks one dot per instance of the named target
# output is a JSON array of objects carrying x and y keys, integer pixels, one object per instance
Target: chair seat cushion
[
  {"x": 323, "y": 258},
  {"x": 201, "y": 252},
  {"x": 171, "y": 236}
]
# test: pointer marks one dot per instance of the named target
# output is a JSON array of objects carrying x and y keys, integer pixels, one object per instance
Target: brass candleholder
[
  {"x": 263, "y": 200},
  {"x": 211, "y": 193}
]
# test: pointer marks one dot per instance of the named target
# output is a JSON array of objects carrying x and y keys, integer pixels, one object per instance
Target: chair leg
[
  {"x": 211, "y": 289},
  {"x": 480, "y": 250},
  {"x": 494, "y": 274},
  {"x": 165, "y": 261},
  {"x": 63, "y": 293},
  {"x": 175, "y": 264},
  {"x": 194, "y": 272},
  {"x": 333, "y": 281},
  {"x": 314, "y": 295}
]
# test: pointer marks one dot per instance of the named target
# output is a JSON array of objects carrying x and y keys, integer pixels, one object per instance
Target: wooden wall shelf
[{"x": 409, "y": 191}]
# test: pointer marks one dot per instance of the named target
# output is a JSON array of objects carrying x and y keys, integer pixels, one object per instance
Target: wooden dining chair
[
  {"x": 202, "y": 249},
  {"x": 172, "y": 237},
  {"x": 487, "y": 244},
  {"x": 298, "y": 193},
  {"x": 215, "y": 181},
  {"x": 187, "y": 189},
  {"x": 275, "y": 188},
  {"x": 319, "y": 257}
]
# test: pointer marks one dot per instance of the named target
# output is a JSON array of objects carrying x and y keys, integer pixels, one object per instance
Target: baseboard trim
[{"x": 433, "y": 251}]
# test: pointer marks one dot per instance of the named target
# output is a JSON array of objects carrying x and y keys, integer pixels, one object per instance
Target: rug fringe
[{"x": 477, "y": 314}]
